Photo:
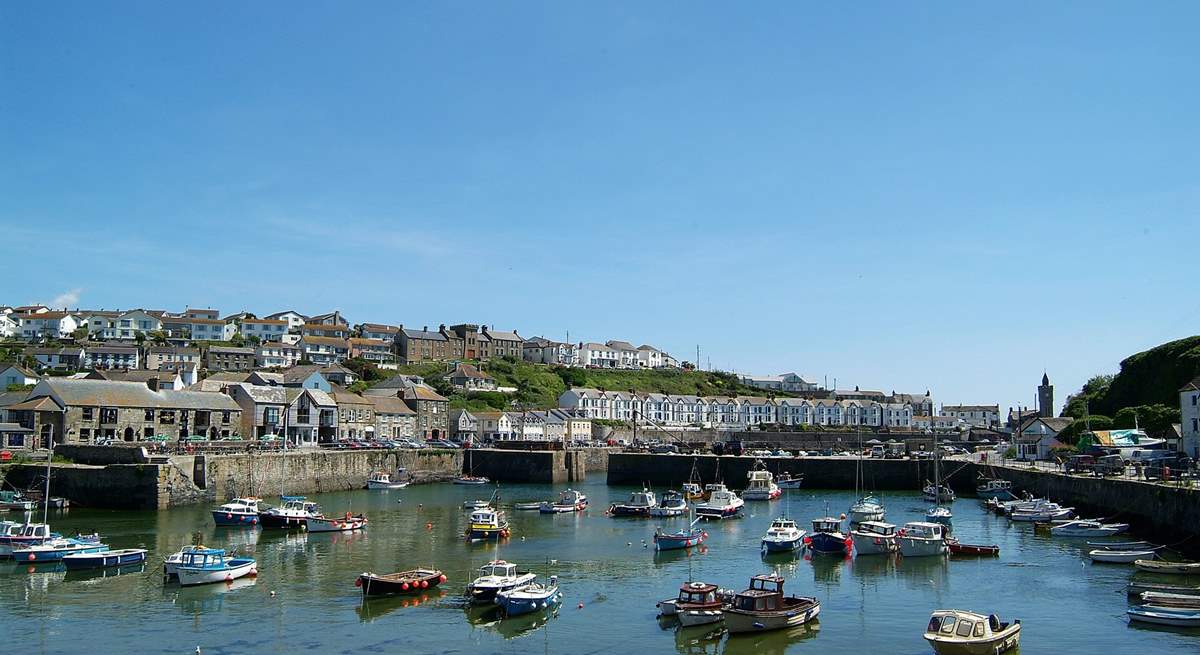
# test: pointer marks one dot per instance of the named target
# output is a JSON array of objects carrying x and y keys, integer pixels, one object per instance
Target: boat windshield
[{"x": 500, "y": 570}]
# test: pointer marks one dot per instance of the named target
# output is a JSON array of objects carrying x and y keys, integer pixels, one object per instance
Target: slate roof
[
  {"x": 263, "y": 394},
  {"x": 228, "y": 376},
  {"x": 325, "y": 341},
  {"x": 133, "y": 394},
  {"x": 230, "y": 350},
  {"x": 423, "y": 334},
  {"x": 504, "y": 336},
  {"x": 390, "y": 405},
  {"x": 468, "y": 371},
  {"x": 419, "y": 392}
]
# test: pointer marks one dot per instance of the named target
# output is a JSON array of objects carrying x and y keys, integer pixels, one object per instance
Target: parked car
[
  {"x": 1108, "y": 465},
  {"x": 1079, "y": 464},
  {"x": 664, "y": 449}
]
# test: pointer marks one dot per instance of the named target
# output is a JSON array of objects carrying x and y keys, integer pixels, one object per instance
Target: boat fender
[
  {"x": 807, "y": 540},
  {"x": 424, "y": 584},
  {"x": 228, "y": 578},
  {"x": 704, "y": 534},
  {"x": 358, "y": 582},
  {"x": 254, "y": 521},
  {"x": 429, "y": 526},
  {"x": 253, "y": 573},
  {"x": 849, "y": 542},
  {"x": 32, "y": 556},
  {"x": 442, "y": 578},
  {"x": 228, "y": 515},
  {"x": 404, "y": 586},
  {"x": 347, "y": 516}
]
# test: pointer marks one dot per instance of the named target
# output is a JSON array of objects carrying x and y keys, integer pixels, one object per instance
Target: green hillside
[{"x": 1147, "y": 387}]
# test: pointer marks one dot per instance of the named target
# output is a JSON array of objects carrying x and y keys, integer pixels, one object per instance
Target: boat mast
[
  {"x": 937, "y": 480},
  {"x": 283, "y": 478},
  {"x": 46, "y": 494}
]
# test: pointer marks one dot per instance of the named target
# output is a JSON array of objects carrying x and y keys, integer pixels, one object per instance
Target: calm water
[{"x": 871, "y": 605}]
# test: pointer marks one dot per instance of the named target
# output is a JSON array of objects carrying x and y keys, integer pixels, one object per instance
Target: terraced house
[
  {"x": 89, "y": 411},
  {"x": 418, "y": 346}
]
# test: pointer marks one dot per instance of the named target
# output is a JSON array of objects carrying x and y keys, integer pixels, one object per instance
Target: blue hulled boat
[
  {"x": 784, "y": 536},
  {"x": 692, "y": 536},
  {"x": 104, "y": 558},
  {"x": 529, "y": 598},
  {"x": 239, "y": 511},
  {"x": 56, "y": 549},
  {"x": 827, "y": 537}
]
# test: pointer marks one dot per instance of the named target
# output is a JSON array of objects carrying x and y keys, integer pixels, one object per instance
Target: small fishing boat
[
  {"x": 1178, "y": 617},
  {"x": 971, "y": 550},
  {"x": 866, "y": 509},
  {"x": 209, "y": 565},
  {"x": 54, "y": 550},
  {"x": 672, "y": 504},
  {"x": 494, "y": 577},
  {"x": 1136, "y": 588},
  {"x": 721, "y": 504},
  {"x": 939, "y": 493},
  {"x": 692, "y": 491},
  {"x": 292, "y": 514},
  {"x": 531, "y": 506},
  {"x": 529, "y": 598},
  {"x": 104, "y": 559},
  {"x": 784, "y": 536},
  {"x": 922, "y": 539},
  {"x": 487, "y": 524},
  {"x": 569, "y": 500},
  {"x": 958, "y": 632},
  {"x": 1120, "y": 556},
  {"x": 384, "y": 480},
  {"x": 874, "y": 538},
  {"x": 239, "y": 511},
  {"x": 763, "y": 607},
  {"x": 23, "y": 535},
  {"x": 760, "y": 484},
  {"x": 939, "y": 514},
  {"x": 1123, "y": 545},
  {"x": 788, "y": 481},
  {"x": 471, "y": 480},
  {"x": 995, "y": 489},
  {"x": 405, "y": 582},
  {"x": 346, "y": 523},
  {"x": 639, "y": 504},
  {"x": 13, "y": 501},
  {"x": 1087, "y": 528},
  {"x": 827, "y": 537},
  {"x": 1173, "y": 568},
  {"x": 475, "y": 504},
  {"x": 692, "y": 536},
  {"x": 698, "y": 603},
  {"x": 1170, "y": 600}
]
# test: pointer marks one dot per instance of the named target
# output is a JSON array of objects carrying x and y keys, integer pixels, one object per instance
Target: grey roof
[
  {"x": 646, "y": 346},
  {"x": 12, "y": 397},
  {"x": 504, "y": 336},
  {"x": 230, "y": 350},
  {"x": 13, "y": 427},
  {"x": 114, "y": 350},
  {"x": 620, "y": 345},
  {"x": 261, "y": 394},
  {"x": 130, "y": 394},
  {"x": 423, "y": 334},
  {"x": 391, "y": 405},
  {"x": 172, "y": 350}
]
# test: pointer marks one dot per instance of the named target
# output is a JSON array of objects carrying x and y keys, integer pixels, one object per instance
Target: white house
[
  {"x": 527, "y": 426},
  {"x": 784, "y": 382},
  {"x": 295, "y": 320},
  {"x": 627, "y": 355},
  {"x": 325, "y": 350},
  {"x": 11, "y": 374},
  {"x": 264, "y": 329},
  {"x": 980, "y": 416},
  {"x": 9, "y": 327},
  {"x": 1038, "y": 436},
  {"x": 598, "y": 355},
  {"x": 897, "y": 415},
  {"x": 120, "y": 325},
  {"x": 111, "y": 357},
  {"x": 1189, "y": 412},
  {"x": 495, "y": 426},
  {"x": 541, "y": 350},
  {"x": 278, "y": 354},
  {"x": 649, "y": 357},
  {"x": 47, "y": 325}
]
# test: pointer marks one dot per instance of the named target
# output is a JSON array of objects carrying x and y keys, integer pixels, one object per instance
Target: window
[
  {"x": 964, "y": 628},
  {"x": 108, "y": 414},
  {"x": 87, "y": 413},
  {"x": 149, "y": 415},
  {"x": 85, "y": 435},
  {"x": 979, "y": 629},
  {"x": 948, "y": 625},
  {"x": 225, "y": 417}
]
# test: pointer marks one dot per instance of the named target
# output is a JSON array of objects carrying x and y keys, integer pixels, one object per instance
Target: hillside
[
  {"x": 1146, "y": 386},
  {"x": 541, "y": 385}
]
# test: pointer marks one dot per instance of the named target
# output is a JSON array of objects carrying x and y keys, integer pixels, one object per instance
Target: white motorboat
[
  {"x": 239, "y": 511},
  {"x": 384, "y": 480},
  {"x": 1000, "y": 490},
  {"x": 957, "y": 632},
  {"x": 783, "y": 536},
  {"x": 922, "y": 539},
  {"x": 569, "y": 500},
  {"x": 206, "y": 566},
  {"x": 760, "y": 484},
  {"x": 1178, "y": 617},
  {"x": 172, "y": 562},
  {"x": 294, "y": 511},
  {"x": 1047, "y": 513},
  {"x": 672, "y": 504},
  {"x": 345, "y": 523},
  {"x": 494, "y": 577},
  {"x": 1120, "y": 556},
  {"x": 1084, "y": 528},
  {"x": 867, "y": 509},
  {"x": 475, "y": 504},
  {"x": 939, "y": 514},
  {"x": 721, "y": 504},
  {"x": 874, "y": 538},
  {"x": 788, "y": 481}
]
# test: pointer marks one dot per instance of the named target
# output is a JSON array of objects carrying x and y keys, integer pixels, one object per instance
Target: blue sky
[{"x": 952, "y": 196}]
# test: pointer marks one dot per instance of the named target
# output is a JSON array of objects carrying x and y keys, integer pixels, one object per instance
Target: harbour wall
[
  {"x": 818, "y": 472},
  {"x": 117, "y": 486}
]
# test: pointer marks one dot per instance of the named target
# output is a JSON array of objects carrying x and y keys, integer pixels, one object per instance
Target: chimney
[
  {"x": 152, "y": 383},
  {"x": 424, "y": 328}
]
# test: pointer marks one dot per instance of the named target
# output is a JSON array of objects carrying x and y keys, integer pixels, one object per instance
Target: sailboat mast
[
  {"x": 283, "y": 478},
  {"x": 46, "y": 494},
  {"x": 937, "y": 479}
]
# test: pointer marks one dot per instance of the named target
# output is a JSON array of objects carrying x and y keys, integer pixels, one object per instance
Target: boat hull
[
  {"x": 692, "y": 618},
  {"x": 283, "y": 521},
  {"x": 866, "y": 543},
  {"x": 233, "y": 569},
  {"x": 761, "y": 494},
  {"x": 676, "y": 542},
  {"x": 374, "y": 485},
  {"x": 915, "y": 547},
  {"x": 37, "y": 554},
  {"x": 825, "y": 543},
  {"x": 719, "y": 513},
  {"x": 104, "y": 559},
  {"x": 521, "y": 601},
  {"x": 230, "y": 519},
  {"x": 865, "y": 515},
  {"x": 1120, "y": 556},
  {"x": 1165, "y": 616},
  {"x": 738, "y": 621},
  {"x": 488, "y": 533},
  {"x": 350, "y": 524},
  {"x": 783, "y": 545},
  {"x": 1172, "y": 568},
  {"x": 998, "y": 643},
  {"x": 376, "y": 585}
]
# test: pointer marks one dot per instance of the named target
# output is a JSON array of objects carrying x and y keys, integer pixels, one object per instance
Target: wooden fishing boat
[
  {"x": 405, "y": 582},
  {"x": 1170, "y": 600},
  {"x": 1174, "y": 568},
  {"x": 470, "y": 480},
  {"x": 698, "y": 603},
  {"x": 827, "y": 537},
  {"x": 346, "y": 523},
  {"x": 980, "y": 550},
  {"x": 104, "y": 559},
  {"x": 1120, "y": 556},
  {"x": 1135, "y": 588},
  {"x": 763, "y": 607},
  {"x": 692, "y": 536},
  {"x": 958, "y": 632},
  {"x": 529, "y": 598},
  {"x": 1178, "y": 617}
]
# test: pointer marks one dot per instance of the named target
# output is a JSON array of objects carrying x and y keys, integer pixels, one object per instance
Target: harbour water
[{"x": 869, "y": 605}]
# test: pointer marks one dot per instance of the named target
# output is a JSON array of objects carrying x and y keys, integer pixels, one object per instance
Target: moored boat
[
  {"x": 1000, "y": 490},
  {"x": 529, "y": 598},
  {"x": 494, "y": 577},
  {"x": 692, "y": 595},
  {"x": 24, "y": 535},
  {"x": 487, "y": 524},
  {"x": 939, "y": 514},
  {"x": 471, "y": 480},
  {"x": 827, "y": 537},
  {"x": 405, "y": 582},
  {"x": 1162, "y": 599},
  {"x": 938, "y": 493},
  {"x": 1120, "y": 556},
  {"x": 789, "y": 481},
  {"x": 672, "y": 504},
  {"x": 13, "y": 501},
  {"x": 346, "y": 523},
  {"x": 569, "y": 500},
  {"x": 54, "y": 550},
  {"x": 1123, "y": 545},
  {"x": 385, "y": 480},
  {"x": 721, "y": 504},
  {"x": 874, "y": 538},
  {"x": 1173, "y": 568},
  {"x": 639, "y": 504},
  {"x": 763, "y": 607},
  {"x": 922, "y": 539},
  {"x": 292, "y": 514},
  {"x": 979, "y": 550},
  {"x": 239, "y": 511},
  {"x": 784, "y": 536},
  {"x": 1136, "y": 588},
  {"x": 760, "y": 484},
  {"x": 209, "y": 565},
  {"x": 867, "y": 508},
  {"x": 104, "y": 559},
  {"x": 692, "y": 536},
  {"x": 1177, "y": 617},
  {"x": 958, "y": 632},
  {"x": 532, "y": 506},
  {"x": 1087, "y": 528}
]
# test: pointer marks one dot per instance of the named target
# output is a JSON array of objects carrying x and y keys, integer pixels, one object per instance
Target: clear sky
[{"x": 942, "y": 195}]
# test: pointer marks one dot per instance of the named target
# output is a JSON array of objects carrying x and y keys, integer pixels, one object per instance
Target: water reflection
[
  {"x": 489, "y": 617},
  {"x": 698, "y": 640},
  {"x": 662, "y": 558},
  {"x": 827, "y": 569},
  {"x": 770, "y": 643},
  {"x": 202, "y": 599},
  {"x": 373, "y": 608},
  {"x": 91, "y": 576},
  {"x": 924, "y": 573}
]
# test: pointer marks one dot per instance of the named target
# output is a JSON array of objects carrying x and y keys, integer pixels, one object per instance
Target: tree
[
  {"x": 139, "y": 337},
  {"x": 237, "y": 339},
  {"x": 253, "y": 340}
]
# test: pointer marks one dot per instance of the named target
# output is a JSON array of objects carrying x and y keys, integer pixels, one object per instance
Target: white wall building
[
  {"x": 1189, "y": 413},
  {"x": 47, "y": 325},
  {"x": 982, "y": 416},
  {"x": 295, "y": 320},
  {"x": 598, "y": 355},
  {"x": 265, "y": 329}
]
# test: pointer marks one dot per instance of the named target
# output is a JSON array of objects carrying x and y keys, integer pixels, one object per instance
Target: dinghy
[
  {"x": 405, "y": 582},
  {"x": 1120, "y": 556},
  {"x": 1084, "y": 528},
  {"x": 1170, "y": 600},
  {"x": 529, "y": 598},
  {"x": 957, "y": 632},
  {"x": 1123, "y": 545},
  {"x": 206, "y": 566},
  {"x": 1135, "y": 588},
  {"x": 104, "y": 559},
  {"x": 1174, "y": 568},
  {"x": 1178, "y": 617}
]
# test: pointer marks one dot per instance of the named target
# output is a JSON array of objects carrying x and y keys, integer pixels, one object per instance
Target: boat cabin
[
  {"x": 922, "y": 530},
  {"x": 498, "y": 569},
  {"x": 782, "y": 525},
  {"x": 877, "y": 528},
  {"x": 642, "y": 498},
  {"x": 716, "y": 486},
  {"x": 203, "y": 558},
  {"x": 691, "y": 488},
  {"x": 299, "y": 504},
  {"x": 242, "y": 504},
  {"x": 698, "y": 593},
  {"x": 957, "y": 623},
  {"x": 827, "y": 524},
  {"x": 31, "y": 530},
  {"x": 485, "y": 516},
  {"x": 764, "y": 595}
]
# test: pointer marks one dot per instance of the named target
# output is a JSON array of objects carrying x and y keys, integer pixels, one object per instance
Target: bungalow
[
  {"x": 264, "y": 329},
  {"x": 1038, "y": 436},
  {"x": 468, "y": 378},
  {"x": 15, "y": 375},
  {"x": 46, "y": 325}
]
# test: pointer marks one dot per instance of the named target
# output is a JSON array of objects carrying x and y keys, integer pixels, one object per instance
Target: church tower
[{"x": 1046, "y": 398}]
